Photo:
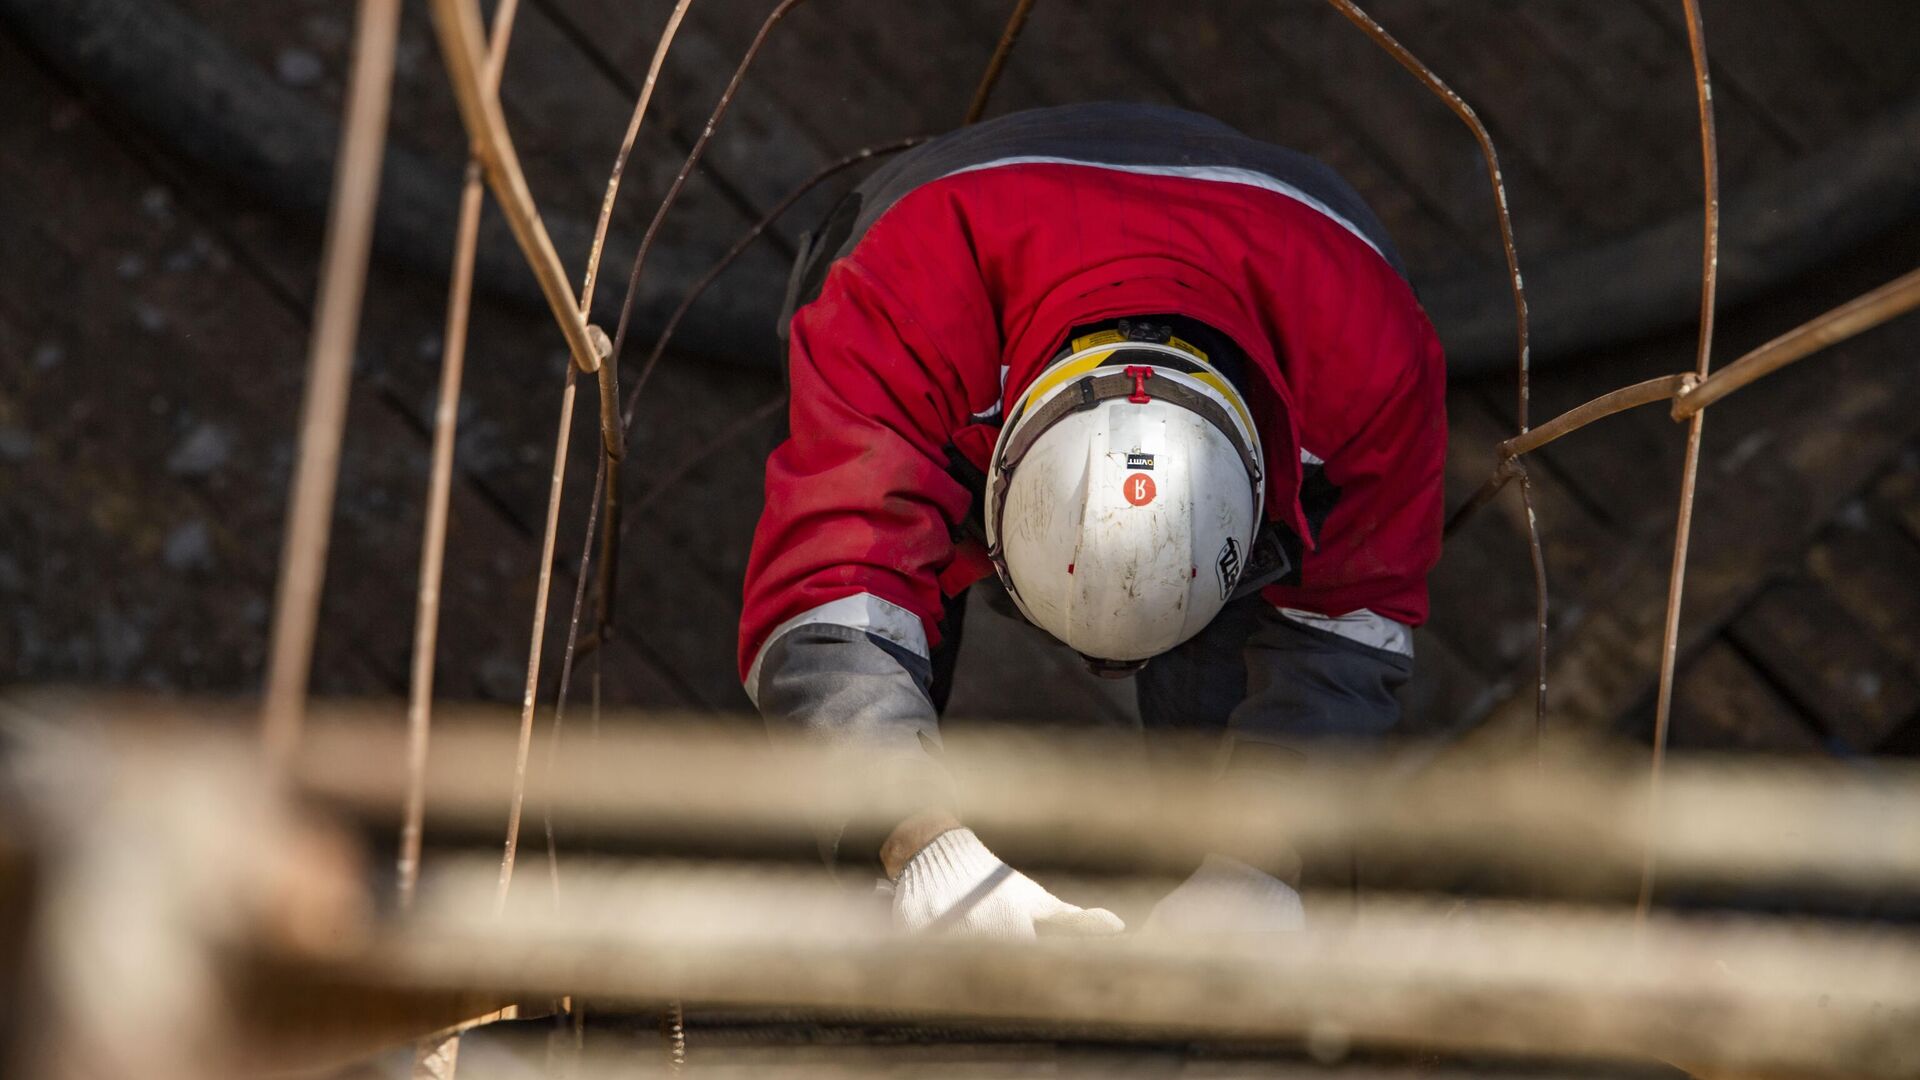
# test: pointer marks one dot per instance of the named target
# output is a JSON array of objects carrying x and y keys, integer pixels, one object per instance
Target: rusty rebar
[
  {"x": 1663, "y": 388},
  {"x": 1503, "y": 473},
  {"x": 1752, "y": 822},
  {"x": 1503, "y": 216},
  {"x": 614, "y": 530},
  {"x": 614, "y": 534},
  {"x": 607, "y": 577},
  {"x": 457, "y": 24},
  {"x": 1538, "y": 559},
  {"x": 1690, "y": 470},
  {"x": 1016, "y": 22},
  {"x": 612, "y": 445},
  {"x": 609, "y": 419},
  {"x": 615, "y": 519},
  {"x": 1862, "y": 313},
  {"x": 612, "y": 430},
  {"x": 686, "y": 169},
  {"x": 323, "y": 411},
  {"x": 1521, "y": 324},
  {"x": 566, "y": 673},
  {"x": 1689, "y": 394},
  {"x": 433, "y": 543},
  {"x": 740, "y": 246},
  {"x": 1544, "y": 981},
  {"x": 537, "y": 635},
  {"x": 627, "y": 141}
]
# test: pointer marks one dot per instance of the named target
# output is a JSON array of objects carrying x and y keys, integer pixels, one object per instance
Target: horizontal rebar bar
[
  {"x": 1690, "y": 394},
  {"x": 1509, "y": 978},
  {"x": 1627, "y": 397},
  {"x": 1582, "y": 813},
  {"x": 1856, "y": 316}
]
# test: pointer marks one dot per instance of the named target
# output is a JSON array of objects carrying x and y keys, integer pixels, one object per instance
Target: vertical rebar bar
[
  {"x": 433, "y": 544},
  {"x": 1016, "y": 22},
  {"x": 542, "y": 591},
  {"x": 1690, "y": 470},
  {"x": 323, "y": 413},
  {"x": 627, "y": 141},
  {"x": 610, "y": 449},
  {"x": 603, "y": 603},
  {"x": 1522, "y": 333}
]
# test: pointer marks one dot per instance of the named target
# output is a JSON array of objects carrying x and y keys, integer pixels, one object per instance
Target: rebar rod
[
  {"x": 537, "y": 634},
  {"x": 679, "y": 183},
  {"x": 457, "y": 24},
  {"x": 1856, "y": 316},
  {"x": 1690, "y": 469},
  {"x": 1016, "y": 22},
  {"x": 1690, "y": 394},
  {"x": 566, "y": 673},
  {"x": 1747, "y": 822},
  {"x": 739, "y": 248},
  {"x": 611, "y": 517},
  {"x": 323, "y": 412},
  {"x": 1663, "y": 388},
  {"x": 627, "y": 141},
  {"x": 1521, "y": 324},
  {"x": 1538, "y": 560},
  {"x": 613, "y": 430},
  {"x": 1502, "y": 215},
  {"x": 612, "y": 445},
  {"x": 615, "y": 530},
  {"x": 433, "y": 543},
  {"x": 1759, "y": 995},
  {"x": 1503, "y": 473}
]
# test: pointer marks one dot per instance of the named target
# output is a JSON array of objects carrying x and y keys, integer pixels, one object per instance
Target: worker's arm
[
  {"x": 1326, "y": 657},
  {"x": 1280, "y": 680},
  {"x": 842, "y": 598},
  {"x": 1278, "y": 683},
  {"x": 1313, "y": 678},
  {"x": 842, "y": 605}
]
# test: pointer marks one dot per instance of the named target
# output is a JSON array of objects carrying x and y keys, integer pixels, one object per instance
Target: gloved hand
[
  {"x": 955, "y": 885},
  {"x": 1226, "y": 896}
]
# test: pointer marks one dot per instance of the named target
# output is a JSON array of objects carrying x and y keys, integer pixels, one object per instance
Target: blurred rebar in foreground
[{"x": 189, "y": 918}]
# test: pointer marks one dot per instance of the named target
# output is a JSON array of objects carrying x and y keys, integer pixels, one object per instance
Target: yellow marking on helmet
[
  {"x": 1190, "y": 350},
  {"x": 1088, "y": 341},
  {"x": 1072, "y": 369},
  {"x": 1227, "y": 391}
]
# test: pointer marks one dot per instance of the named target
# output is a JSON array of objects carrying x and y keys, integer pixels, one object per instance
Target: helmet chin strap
[{"x": 1113, "y": 669}]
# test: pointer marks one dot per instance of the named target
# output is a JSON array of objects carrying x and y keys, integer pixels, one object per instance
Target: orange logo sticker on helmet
[{"x": 1138, "y": 488}]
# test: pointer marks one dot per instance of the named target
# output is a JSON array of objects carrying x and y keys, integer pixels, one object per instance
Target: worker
[{"x": 1163, "y": 384}]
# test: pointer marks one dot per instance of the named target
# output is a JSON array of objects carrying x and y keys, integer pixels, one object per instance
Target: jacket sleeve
[
  {"x": 1313, "y": 679},
  {"x": 1381, "y": 536},
  {"x": 842, "y": 602},
  {"x": 1280, "y": 680}
]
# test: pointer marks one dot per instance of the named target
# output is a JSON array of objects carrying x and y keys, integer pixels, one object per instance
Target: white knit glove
[
  {"x": 955, "y": 885},
  {"x": 1226, "y": 896}
]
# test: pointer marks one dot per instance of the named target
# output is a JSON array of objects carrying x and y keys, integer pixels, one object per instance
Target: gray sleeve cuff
[
  {"x": 846, "y": 686},
  {"x": 853, "y": 677}
]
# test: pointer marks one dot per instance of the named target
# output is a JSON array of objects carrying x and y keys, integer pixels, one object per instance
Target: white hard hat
[{"x": 1123, "y": 498}]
